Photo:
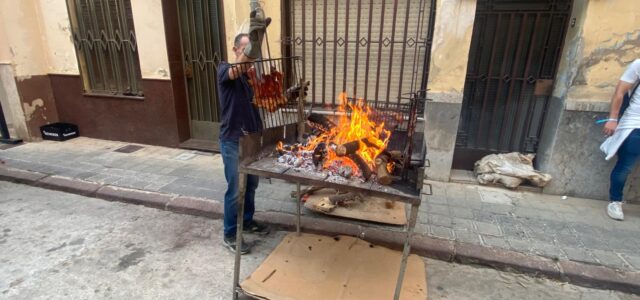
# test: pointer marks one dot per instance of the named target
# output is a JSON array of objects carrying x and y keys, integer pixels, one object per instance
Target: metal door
[
  {"x": 514, "y": 55},
  {"x": 202, "y": 39}
]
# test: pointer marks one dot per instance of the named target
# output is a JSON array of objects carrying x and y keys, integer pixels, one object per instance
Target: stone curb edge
[{"x": 578, "y": 273}]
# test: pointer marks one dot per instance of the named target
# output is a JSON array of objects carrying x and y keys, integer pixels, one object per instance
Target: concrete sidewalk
[{"x": 571, "y": 240}]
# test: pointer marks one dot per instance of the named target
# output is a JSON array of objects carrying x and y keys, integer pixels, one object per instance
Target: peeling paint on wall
[
  {"x": 30, "y": 109},
  {"x": 609, "y": 41}
]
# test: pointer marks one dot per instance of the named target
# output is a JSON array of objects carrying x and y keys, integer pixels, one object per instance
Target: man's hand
[
  {"x": 610, "y": 128},
  {"x": 257, "y": 27}
]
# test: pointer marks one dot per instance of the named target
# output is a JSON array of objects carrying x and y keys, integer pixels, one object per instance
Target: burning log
[
  {"x": 353, "y": 146},
  {"x": 321, "y": 121},
  {"x": 382, "y": 172},
  {"x": 319, "y": 154},
  {"x": 348, "y": 148},
  {"x": 382, "y": 160},
  {"x": 362, "y": 165}
]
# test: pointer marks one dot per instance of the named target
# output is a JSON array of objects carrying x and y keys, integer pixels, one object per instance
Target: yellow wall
[
  {"x": 22, "y": 26},
  {"x": 450, "y": 49},
  {"x": 152, "y": 45},
  {"x": 236, "y": 20},
  {"x": 58, "y": 42},
  {"x": 5, "y": 54},
  {"x": 610, "y": 40}
]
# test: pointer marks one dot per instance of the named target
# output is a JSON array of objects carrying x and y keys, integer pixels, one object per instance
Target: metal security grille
[
  {"x": 515, "y": 50},
  {"x": 202, "y": 39},
  {"x": 373, "y": 49},
  {"x": 105, "y": 42}
]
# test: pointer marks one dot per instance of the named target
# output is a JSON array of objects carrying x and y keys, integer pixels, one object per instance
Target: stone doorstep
[{"x": 460, "y": 252}]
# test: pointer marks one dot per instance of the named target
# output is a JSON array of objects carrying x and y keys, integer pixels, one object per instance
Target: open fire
[{"x": 354, "y": 147}]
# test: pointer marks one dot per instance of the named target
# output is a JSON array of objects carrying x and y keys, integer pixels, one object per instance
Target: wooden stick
[
  {"x": 321, "y": 120},
  {"x": 353, "y": 146},
  {"x": 384, "y": 177},
  {"x": 362, "y": 165}
]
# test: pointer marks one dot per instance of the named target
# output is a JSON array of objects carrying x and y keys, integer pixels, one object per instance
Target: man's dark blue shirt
[{"x": 239, "y": 116}]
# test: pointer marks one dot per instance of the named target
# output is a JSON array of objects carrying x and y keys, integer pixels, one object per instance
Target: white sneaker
[{"x": 614, "y": 210}]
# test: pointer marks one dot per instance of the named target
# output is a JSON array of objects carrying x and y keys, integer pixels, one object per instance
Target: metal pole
[
  {"x": 242, "y": 186},
  {"x": 4, "y": 130},
  {"x": 298, "y": 199},
  {"x": 405, "y": 251}
]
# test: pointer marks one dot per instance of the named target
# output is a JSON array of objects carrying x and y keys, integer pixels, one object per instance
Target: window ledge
[{"x": 98, "y": 95}]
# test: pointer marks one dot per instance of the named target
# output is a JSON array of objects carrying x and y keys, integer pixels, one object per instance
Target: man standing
[
  {"x": 624, "y": 136},
  {"x": 239, "y": 117}
]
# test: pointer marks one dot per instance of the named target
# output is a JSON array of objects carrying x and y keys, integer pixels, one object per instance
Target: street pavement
[
  {"x": 55, "y": 245},
  {"x": 535, "y": 224}
]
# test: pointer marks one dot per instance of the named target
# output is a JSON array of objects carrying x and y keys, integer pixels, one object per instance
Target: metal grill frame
[
  {"x": 319, "y": 41},
  {"x": 291, "y": 112}
]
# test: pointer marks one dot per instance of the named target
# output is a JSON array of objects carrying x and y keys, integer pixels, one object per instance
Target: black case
[{"x": 59, "y": 131}]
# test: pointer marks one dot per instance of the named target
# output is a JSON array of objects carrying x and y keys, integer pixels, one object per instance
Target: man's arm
[
  {"x": 616, "y": 102},
  {"x": 242, "y": 65}
]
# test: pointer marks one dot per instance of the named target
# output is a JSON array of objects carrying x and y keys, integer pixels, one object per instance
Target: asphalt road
[{"x": 55, "y": 245}]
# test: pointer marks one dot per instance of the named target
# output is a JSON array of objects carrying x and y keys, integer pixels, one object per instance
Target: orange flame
[{"x": 354, "y": 127}]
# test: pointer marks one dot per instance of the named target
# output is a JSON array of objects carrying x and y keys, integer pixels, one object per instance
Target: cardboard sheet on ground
[
  {"x": 371, "y": 209},
  {"x": 319, "y": 267}
]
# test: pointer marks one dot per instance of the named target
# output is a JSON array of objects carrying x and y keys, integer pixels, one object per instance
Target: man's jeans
[
  {"x": 230, "y": 158},
  {"x": 628, "y": 155}
]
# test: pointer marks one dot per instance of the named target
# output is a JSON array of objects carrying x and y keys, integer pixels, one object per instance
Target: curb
[{"x": 466, "y": 253}]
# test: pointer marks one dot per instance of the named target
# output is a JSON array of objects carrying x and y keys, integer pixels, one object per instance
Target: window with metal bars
[{"x": 105, "y": 43}]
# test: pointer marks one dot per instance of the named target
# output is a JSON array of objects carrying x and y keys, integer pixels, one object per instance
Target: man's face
[{"x": 244, "y": 41}]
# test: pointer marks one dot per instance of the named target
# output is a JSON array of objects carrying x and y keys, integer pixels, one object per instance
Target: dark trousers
[{"x": 230, "y": 158}]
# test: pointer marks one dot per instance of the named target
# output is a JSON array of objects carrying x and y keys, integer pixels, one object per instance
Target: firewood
[
  {"x": 348, "y": 148},
  {"x": 319, "y": 154},
  {"x": 362, "y": 165},
  {"x": 322, "y": 121},
  {"x": 353, "y": 146},
  {"x": 381, "y": 161}
]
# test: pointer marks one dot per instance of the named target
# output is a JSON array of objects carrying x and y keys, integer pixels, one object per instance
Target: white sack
[{"x": 509, "y": 169}]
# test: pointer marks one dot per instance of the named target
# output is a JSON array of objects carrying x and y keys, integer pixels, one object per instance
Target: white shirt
[
  {"x": 632, "y": 75},
  {"x": 630, "y": 120}
]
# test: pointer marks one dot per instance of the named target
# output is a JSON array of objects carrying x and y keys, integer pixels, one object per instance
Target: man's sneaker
[
  {"x": 255, "y": 227},
  {"x": 614, "y": 210},
  {"x": 230, "y": 243}
]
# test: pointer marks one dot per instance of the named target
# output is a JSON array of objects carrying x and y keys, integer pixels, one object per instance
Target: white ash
[{"x": 302, "y": 161}]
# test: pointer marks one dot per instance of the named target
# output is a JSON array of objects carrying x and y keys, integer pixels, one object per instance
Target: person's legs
[
  {"x": 250, "y": 197},
  {"x": 230, "y": 159},
  {"x": 627, "y": 157}
]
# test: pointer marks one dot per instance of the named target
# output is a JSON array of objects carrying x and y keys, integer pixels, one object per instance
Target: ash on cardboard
[
  {"x": 319, "y": 267},
  {"x": 372, "y": 209}
]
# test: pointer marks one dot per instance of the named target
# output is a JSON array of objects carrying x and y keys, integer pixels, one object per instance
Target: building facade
[{"x": 520, "y": 75}]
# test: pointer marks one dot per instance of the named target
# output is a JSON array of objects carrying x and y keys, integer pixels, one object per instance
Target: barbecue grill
[{"x": 284, "y": 115}]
